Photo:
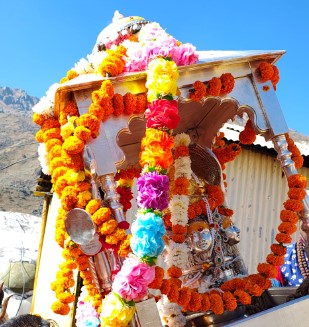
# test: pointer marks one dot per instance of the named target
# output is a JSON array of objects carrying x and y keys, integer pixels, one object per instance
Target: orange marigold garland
[
  {"x": 296, "y": 154},
  {"x": 216, "y": 86},
  {"x": 248, "y": 135},
  {"x": 269, "y": 72}
]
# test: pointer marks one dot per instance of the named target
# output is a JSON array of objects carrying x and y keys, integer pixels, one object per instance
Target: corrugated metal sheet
[
  {"x": 231, "y": 132},
  {"x": 256, "y": 191}
]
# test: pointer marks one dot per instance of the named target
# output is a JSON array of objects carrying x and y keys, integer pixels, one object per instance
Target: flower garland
[
  {"x": 124, "y": 179},
  {"x": 61, "y": 156},
  {"x": 216, "y": 86},
  {"x": 64, "y": 145},
  {"x": 269, "y": 72}
]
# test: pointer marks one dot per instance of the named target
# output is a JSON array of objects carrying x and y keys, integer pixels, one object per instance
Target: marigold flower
[
  {"x": 205, "y": 303},
  {"x": 199, "y": 91},
  {"x": 92, "y": 206},
  {"x": 73, "y": 145},
  {"x": 101, "y": 215},
  {"x": 118, "y": 104},
  {"x": 50, "y": 122},
  {"x": 178, "y": 238},
  {"x": 181, "y": 151},
  {"x": 82, "y": 133},
  {"x": 108, "y": 227},
  {"x": 243, "y": 297},
  {"x": 215, "y": 196},
  {"x": 51, "y": 143},
  {"x": 296, "y": 193},
  {"x": 118, "y": 235},
  {"x": 297, "y": 180},
  {"x": 214, "y": 86},
  {"x": 267, "y": 270},
  {"x": 69, "y": 198},
  {"x": 129, "y": 101},
  {"x": 65, "y": 297},
  {"x": 195, "y": 302},
  {"x": 181, "y": 186},
  {"x": 58, "y": 172},
  {"x": 298, "y": 161},
  {"x": 283, "y": 238},
  {"x": 224, "y": 211},
  {"x": 216, "y": 304},
  {"x": 159, "y": 275},
  {"x": 266, "y": 71},
  {"x": 141, "y": 103},
  {"x": 230, "y": 301},
  {"x": 54, "y": 152},
  {"x": 275, "y": 78},
  {"x": 165, "y": 287},
  {"x": 38, "y": 119},
  {"x": 60, "y": 308},
  {"x": 184, "y": 296},
  {"x": 89, "y": 121},
  {"x": 179, "y": 229},
  {"x": 70, "y": 108},
  {"x": 289, "y": 216},
  {"x": 278, "y": 249},
  {"x": 227, "y": 81},
  {"x": 173, "y": 293},
  {"x": 294, "y": 205},
  {"x": 248, "y": 135},
  {"x": 287, "y": 228},
  {"x": 275, "y": 260},
  {"x": 53, "y": 133},
  {"x": 174, "y": 272}
]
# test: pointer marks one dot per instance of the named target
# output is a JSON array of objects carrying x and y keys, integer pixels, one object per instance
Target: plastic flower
[
  {"x": 131, "y": 282},
  {"x": 176, "y": 254},
  {"x": 170, "y": 313},
  {"x": 153, "y": 191},
  {"x": 115, "y": 313},
  {"x": 86, "y": 315},
  {"x": 161, "y": 79},
  {"x": 148, "y": 230},
  {"x": 162, "y": 113}
]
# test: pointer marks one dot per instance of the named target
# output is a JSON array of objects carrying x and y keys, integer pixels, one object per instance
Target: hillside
[{"x": 19, "y": 166}]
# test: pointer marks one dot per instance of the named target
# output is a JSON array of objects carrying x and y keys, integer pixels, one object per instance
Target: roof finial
[{"x": 117, "y": 16}]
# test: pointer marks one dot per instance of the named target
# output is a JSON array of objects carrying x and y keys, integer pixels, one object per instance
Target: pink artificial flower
[
  {"x": 184, "y": 55},
  {"x": 162, "y": 113},
  {"x": 131, "y": 283}
]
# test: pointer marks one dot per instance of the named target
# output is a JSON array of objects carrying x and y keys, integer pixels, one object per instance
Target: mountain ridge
[{"x": 19, "y": 164}]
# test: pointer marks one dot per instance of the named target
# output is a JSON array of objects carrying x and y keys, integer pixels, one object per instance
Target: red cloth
[{"x": 279, "y": 277}]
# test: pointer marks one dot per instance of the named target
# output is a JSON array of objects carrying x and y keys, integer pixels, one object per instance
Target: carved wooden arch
[{"x": 201, "y": 120}]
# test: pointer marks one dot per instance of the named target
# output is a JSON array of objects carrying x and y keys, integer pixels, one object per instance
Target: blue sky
[{"x": 41, "y": 40}]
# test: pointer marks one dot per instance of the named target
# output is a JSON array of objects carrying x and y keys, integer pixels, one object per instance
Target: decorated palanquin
[{"x": 135, "y": 127}]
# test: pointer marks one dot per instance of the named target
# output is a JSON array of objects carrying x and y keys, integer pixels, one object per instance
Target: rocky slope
[{"x": 19, "y": 166}]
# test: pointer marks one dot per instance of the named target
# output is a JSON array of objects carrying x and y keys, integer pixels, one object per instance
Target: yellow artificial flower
[
  {"x": 114, "y": 312},
  {"x": 161, "y": 79}
]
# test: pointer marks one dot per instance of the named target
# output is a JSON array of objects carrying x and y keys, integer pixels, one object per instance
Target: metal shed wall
[{"x": 256, "y": 191}]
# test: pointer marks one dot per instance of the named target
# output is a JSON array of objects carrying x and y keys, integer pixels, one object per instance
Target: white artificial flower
[
  {"x": 52, "y": 91},
  {"x": 170, "y": 313},
  {"x": 150, "y": 32},
  {"x": 43, "y": 158},
  {"x": 83, "y": 67},
  {"x": 182, "y": 139},
  {"x": 183, "y": 167},
  {"x": 178, "y": 207},
  {"x": 176, "y": 254},
  {"x": 44, "y": 107},
  {"x": 95, "y": 60}
]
